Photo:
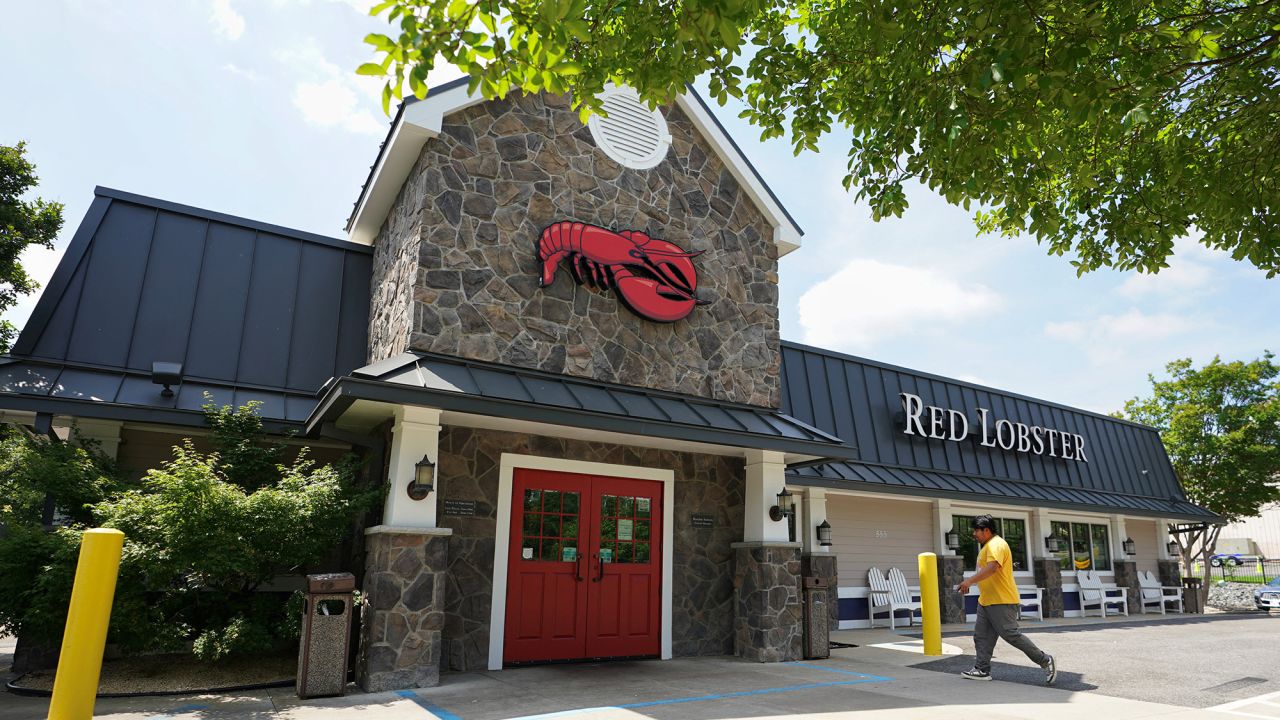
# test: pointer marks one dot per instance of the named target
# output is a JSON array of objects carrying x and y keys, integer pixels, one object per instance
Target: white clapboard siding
[
  {"x": 908, "y": 530},
  {"x": 1145, "y": 538}
]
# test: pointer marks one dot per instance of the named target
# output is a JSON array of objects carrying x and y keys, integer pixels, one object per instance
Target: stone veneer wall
[
  {"x": 768, "y": 622},
  {"x": 702, "y": 591},
  {"x": 459, "y": 249},
  {"x": 1048, "y": 573},
  {"x": 1127, "y": 579},
  {"x": 401, "y": 623}
]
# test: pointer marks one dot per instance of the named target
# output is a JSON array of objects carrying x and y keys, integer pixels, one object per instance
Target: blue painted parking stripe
[{"x": 428, "y": 706}]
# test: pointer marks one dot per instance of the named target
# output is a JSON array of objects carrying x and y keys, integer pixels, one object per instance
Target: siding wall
[
  {"x": 854, "y": 522},
  {"x": 1145, "y": 538},
  {"x": 142, "y": 450}
]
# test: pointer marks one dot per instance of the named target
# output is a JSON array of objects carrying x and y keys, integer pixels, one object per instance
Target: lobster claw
[{"x": 651, "y": 299}]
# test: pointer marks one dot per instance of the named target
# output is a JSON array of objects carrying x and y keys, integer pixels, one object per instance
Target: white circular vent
[{"x": 633, "y": 135}]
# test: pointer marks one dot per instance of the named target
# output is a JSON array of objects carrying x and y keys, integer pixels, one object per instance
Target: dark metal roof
[
  {"x": 858, "y": 400},
  {"x": 488, "y": 389},
  {"x": 364, "y": 189},
  {"x": 253, "y": 311}
]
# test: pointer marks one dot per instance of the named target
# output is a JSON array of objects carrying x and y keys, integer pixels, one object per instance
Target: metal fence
[{"x": 1244, "y": 570}]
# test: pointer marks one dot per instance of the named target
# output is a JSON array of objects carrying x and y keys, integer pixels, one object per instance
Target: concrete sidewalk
[{"x": 865, "y": 682}]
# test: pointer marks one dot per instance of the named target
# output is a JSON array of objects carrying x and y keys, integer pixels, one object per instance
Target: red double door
[{"x": 585, "y": 567}]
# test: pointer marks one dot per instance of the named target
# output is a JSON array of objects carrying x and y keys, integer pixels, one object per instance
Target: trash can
[
  {"x": 1191, "y": 595},
  {"x": 326, "y": 629},
  {"x": 817, "y": 626}
]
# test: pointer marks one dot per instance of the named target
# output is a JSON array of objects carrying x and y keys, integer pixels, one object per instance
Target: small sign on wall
[
  {"x": 702, "y": 521},
  {"x": 459, "y": 508}
]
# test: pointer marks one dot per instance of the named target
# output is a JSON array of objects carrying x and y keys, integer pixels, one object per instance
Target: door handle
[
  {"x": 577, "y": 567},
  {"x": 600, "y": 564}
]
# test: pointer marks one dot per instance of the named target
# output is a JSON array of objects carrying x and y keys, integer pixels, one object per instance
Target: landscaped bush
[{"x": 202, "y": 533}]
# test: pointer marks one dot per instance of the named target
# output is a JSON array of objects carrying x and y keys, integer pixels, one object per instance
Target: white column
[
  {"x": 766, "y": 476},
  {"x": 815, "y": 512},
  {"x": 416, "y": 433},
  {"x": 105, "y": 432},
  {"x": 1041, "y": 528},
  {"x": 942, "y": 523},
  {"x": 1162, "y": 540},
  {"x": 1117, "y": 538}
]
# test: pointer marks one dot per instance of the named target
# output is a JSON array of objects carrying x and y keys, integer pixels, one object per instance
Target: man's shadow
[{"x": 1004, "y": 672}]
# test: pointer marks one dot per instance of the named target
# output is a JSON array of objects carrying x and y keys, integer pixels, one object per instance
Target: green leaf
[{"x": 373, "y": 69}]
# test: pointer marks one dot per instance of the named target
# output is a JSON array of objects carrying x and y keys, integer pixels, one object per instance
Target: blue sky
[{"x": 253, "y": 108}]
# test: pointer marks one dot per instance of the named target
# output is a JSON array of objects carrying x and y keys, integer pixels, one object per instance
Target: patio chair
[
  {"x": 1153, "y": 593},
  {"x": 1031, "y": 602},
  {"x": 1094, "y": 593},
  {"x": 890, "y": 594}
]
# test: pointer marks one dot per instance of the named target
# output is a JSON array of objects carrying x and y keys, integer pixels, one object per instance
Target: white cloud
[
  {"x": 226, "y": 21},
  {"x": 1107, "y": 338},
  {"x": 249, "y": 75},
  {"x": 868, "y": 301},
  {"x": 330, "y": 97},
  {"x": 333, "y": 104},
  {"x": 1179, "y": 279}
]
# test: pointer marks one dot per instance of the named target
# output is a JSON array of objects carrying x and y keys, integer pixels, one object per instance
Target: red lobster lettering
[{"x": 655, "y": 279}]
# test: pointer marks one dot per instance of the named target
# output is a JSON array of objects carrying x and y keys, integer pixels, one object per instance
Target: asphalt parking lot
[{"x": 1198, "y": 661}]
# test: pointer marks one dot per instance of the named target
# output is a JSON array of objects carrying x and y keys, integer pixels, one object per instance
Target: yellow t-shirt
[{"x": 999, "y": 589}]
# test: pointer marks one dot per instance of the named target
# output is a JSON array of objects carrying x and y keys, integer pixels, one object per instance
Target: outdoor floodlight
[{"x": 166, "y": 374}]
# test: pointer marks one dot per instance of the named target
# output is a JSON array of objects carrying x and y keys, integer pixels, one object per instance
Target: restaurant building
[{"x": 559, "y": 344}]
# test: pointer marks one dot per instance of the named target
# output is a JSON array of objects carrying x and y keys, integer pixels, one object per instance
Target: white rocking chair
[{"x": 890, "y": 594}]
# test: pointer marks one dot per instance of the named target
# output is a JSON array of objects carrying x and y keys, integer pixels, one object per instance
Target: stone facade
[
  {"x": 1169, "y": 572},
  {"x": 951, "y": 574},
  {"x": 1048, "y": 573},
  {"x": 768, "y": 624},
  {"x": 1127, "y": 579},
  {"x": 402, "y": 620},
  {"x": 702, "y": 584},
  {"x": 455, "y": 269}
]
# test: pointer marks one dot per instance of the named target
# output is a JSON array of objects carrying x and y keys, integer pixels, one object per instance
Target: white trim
[
  {"x": 422, "y": 120},
  {"x": 506, "y": 477}
]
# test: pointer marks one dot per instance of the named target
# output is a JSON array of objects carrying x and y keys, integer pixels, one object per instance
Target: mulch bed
[{"x": 178, "y": 673}]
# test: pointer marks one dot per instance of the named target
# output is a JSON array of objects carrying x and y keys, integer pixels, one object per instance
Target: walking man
[{"x": 998, "y": 606}]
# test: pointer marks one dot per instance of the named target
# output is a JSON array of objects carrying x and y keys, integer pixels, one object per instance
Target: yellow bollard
[
  {"x": 930, "y": 612},
  {"x": 75, "y": 687}
]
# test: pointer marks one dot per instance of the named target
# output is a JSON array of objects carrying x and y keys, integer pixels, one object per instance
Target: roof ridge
[{"x": 227, "y": 218}]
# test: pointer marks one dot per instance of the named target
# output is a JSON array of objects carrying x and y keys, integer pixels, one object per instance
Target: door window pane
[
  {"x": 626, "y": 507},
  {"x": 551, "y": 501},
  {"x": 533, "y": 500},
  {"x": 550, "y": 551},
  {"x": 571, "y": 503},
  {"x": 1101, "y": 548},
  {"x": 642, "y": 552}
]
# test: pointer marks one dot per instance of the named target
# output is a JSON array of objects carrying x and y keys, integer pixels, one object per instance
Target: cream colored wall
[
  {"x": 907, "y": 527},
  {"x": 1144, "y": 537}
]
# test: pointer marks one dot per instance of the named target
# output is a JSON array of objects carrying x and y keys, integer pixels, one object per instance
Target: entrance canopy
[{"x": 462, "y": 386}]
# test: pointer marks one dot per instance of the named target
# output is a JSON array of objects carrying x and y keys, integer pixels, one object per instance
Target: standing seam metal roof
[{"x": 253, "y": 311}]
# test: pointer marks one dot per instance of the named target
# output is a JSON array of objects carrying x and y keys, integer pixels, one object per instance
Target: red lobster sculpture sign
[{"x": 655, "y": 279}]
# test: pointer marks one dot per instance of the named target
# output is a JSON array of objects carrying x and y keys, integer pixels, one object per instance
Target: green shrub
[{"x": 202, "y": 534}]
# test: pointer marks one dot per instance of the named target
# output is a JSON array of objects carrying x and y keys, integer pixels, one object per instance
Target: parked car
[
  {"x": 1228, "y": 559},
  {"x": 1268, "y": 596}
]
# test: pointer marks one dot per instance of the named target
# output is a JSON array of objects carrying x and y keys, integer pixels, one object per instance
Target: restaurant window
[
  {"x": 1013, "y": 530},
  {"x": 1082, "y": 546}
]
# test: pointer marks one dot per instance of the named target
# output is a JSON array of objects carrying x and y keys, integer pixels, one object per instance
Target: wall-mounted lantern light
[
  {"x": 1130, "y": 547},
  {"x": 1053, "y": 543},
  {"x": 824, "y": 534},
  {"x": 953, "y": 540},
  {"x": 785, "y": 507},
  {"x": 424, "y": 479},
  {"x": 1172, "y": 547}
]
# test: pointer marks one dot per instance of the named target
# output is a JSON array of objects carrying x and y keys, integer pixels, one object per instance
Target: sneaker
[
  {"x": 975, "y": 674},
  {"x": 1050, "y": 671}
]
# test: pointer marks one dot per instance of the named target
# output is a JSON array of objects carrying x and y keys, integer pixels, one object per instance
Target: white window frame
[
  {"x": 1024, "y": 516},
  {"x": 1091, "y": 520}
]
